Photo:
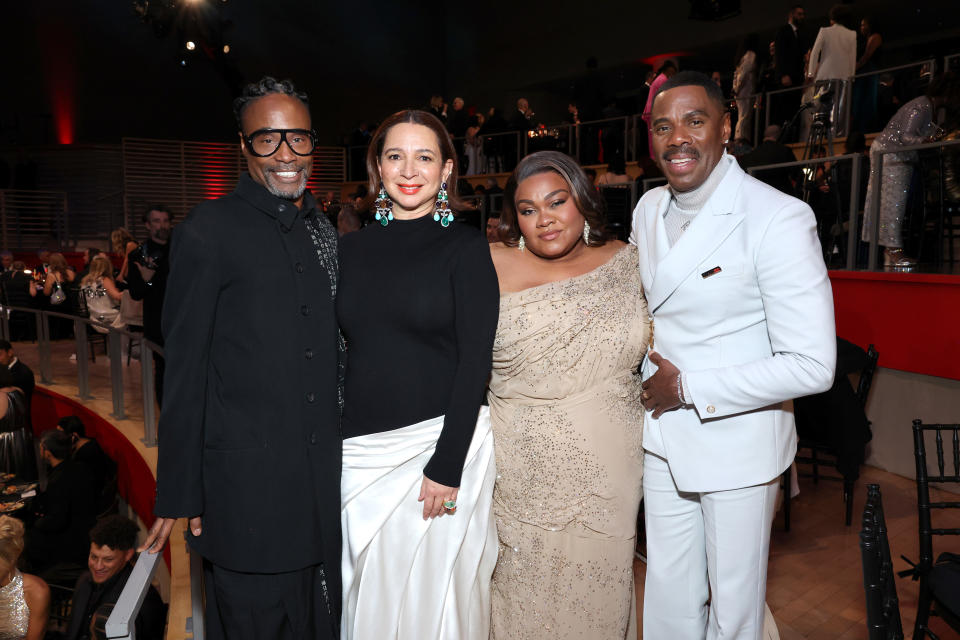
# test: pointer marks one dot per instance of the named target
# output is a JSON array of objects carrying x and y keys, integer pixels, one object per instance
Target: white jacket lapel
[{"x": 707, "y": 231}]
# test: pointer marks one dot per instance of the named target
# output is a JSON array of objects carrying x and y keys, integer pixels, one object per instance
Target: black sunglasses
[{"x": 265, "y": 142}]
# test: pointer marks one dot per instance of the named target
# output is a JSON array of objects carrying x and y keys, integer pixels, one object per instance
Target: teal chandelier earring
[
  {"x": 384, "y": 207},
  {"x": 442, "y": 212}
]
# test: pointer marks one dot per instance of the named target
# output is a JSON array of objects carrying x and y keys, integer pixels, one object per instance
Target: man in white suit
[
  {"x": 743, "y": 316},
  {"x": 832, "y": 60}
]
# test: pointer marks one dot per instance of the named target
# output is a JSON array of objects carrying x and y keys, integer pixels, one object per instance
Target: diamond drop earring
[
  {"x": 522, "y": 244},
  {"x": 384, "y": 207},
  {"x": 586, "y": 233}
]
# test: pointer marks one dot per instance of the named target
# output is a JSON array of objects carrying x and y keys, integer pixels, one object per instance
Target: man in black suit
[
  {"x": 65, "y": 511},
  {"x": 790, "y": 47},
  {"x": 147, "y": 281},
  {"x": 250, "y": 449},
  {"x": 20, "y": 374},
  {"x": 112, "y": 542},
  {"x": 772, "y": 151}
]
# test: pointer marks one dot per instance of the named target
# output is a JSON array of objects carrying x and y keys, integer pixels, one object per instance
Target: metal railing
[
  {"x": 853, "y": 208},
  {"x": 32, "y": 218},
  {"x": 845, "y": 122},
  {"x": 949, "y": 62},
  {"x": 121, "y": 623},
  {"x": 114, "y": 350}
]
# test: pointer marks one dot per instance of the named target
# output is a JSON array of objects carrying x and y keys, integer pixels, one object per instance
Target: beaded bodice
[{"x": 14, "y": 612}]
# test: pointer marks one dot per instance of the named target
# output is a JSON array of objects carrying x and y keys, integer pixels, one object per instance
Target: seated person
[
  {"x": 66, "y": 511},
  {"x": 24, "y": 599},
  {"x": 112, "y": 542},
  {"x": 88, "y": 451},
  {"x": 16, "y": 438}
]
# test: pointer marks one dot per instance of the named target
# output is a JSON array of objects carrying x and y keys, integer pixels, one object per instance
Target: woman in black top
[{"x": 418, "y": 307}]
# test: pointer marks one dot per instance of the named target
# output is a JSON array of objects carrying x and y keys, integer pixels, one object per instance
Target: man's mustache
[{"x": 684, "y": 149}]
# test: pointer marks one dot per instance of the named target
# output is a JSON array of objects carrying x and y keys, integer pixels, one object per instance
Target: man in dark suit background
[
  {"x": 112, "y": 541},
  {"x": 250, "y": 449},
  {"x": 20, "y": 375},
  {"x": 789, "y": 48},
  {"x": 772, "y": 151},
  {"x": 65, "y": 511}
]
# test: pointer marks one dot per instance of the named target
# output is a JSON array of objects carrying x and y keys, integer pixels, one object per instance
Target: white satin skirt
[{"x": 405, "y": 578}]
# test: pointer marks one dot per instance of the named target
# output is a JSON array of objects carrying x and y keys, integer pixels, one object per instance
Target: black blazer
[
  {"x": 149, "y": 623},
  {"x": 789, "y": 55},
  {"x": 23, "y": 378},
  {"x": 249, "y": 434}
]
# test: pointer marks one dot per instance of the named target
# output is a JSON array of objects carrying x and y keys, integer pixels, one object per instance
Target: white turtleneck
[{"x": 685, "y": 205}]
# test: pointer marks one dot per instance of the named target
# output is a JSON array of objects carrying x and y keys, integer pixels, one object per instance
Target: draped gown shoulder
[{"x": 568, "y": 423}]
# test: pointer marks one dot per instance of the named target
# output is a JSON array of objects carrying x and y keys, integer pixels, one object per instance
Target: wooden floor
[{"x": 815, "y": 584}]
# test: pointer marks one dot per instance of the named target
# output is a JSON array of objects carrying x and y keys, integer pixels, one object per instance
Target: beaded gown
[
  {"x": 910, "y": 125},
  {"x": 568, "y": 424},
  {"x": 14, "y": 612}
]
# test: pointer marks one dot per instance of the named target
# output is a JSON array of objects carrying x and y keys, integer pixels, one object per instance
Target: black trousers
[{"x": 267, "y": 606}]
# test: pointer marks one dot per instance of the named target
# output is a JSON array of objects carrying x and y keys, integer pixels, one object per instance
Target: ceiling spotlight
[
  {"x": 183, "y": 63},
  {"x": 226, "y": 48},
  {"x": 191, "y": 45}
]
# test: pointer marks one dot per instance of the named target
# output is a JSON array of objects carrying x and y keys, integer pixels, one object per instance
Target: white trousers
[{"x": 706, "y": 558}]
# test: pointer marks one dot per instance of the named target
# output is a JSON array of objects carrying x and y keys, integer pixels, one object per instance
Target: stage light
[
  {"x": 191, "y": 45},
  {"x": 226, "y": 48}
]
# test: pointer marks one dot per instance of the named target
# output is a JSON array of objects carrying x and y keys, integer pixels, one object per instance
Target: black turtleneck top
[{"x": 418, "y": 305}]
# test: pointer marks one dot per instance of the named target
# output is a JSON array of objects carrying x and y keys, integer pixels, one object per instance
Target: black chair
[
  {"x": 883, "y": 607},
  {"x": 814, "y": 408},
  {"x": 938, "y": 581},
  {"x": 93, "y": 336}
]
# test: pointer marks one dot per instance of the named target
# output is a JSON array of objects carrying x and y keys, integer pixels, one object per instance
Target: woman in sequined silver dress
[
  {"x": 24, "y": 599},
  {"x": 912, "y": 124},
  {"x": 566, "y": 411}
]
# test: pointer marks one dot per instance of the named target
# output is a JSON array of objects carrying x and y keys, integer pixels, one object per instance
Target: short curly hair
[
  {"x": 264, "y": 87},
  {"x": 117, "y": 532}
]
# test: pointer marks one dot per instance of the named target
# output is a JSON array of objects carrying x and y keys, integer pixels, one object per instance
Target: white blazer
[
  {"x": 834, "y": 54},
  {"x": 750, "y": 338}
]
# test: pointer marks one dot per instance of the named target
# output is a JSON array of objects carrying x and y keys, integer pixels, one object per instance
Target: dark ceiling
[{"x": 92, "y": 71}]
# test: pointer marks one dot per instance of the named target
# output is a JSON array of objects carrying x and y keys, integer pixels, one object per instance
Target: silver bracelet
[{"x": 680, "y": 389}]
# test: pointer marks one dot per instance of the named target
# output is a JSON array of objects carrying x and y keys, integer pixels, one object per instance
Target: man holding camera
[{"x": 147, "y": 281}]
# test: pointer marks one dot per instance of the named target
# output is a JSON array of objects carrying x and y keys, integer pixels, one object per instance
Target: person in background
[
  {"x": 6, "y": 260},
  {"x": 65, "y": 511},
  {"x": 112, "y": 543},
  {"x": 912, "y": 124},
  {"x": 88, "y": 255},
  {"x": 147, "y": 281},
  {"x": 24, "y": 598},
  {"x": 21, "y": 376},
  {"x": 101, "y": 295},
  {"x": 666, "y": 71},
  {"x": 493, "y": 229},
  {"x": 616, "y": 172},
  {"x": 347, "y": 220},
  {"x": 19, "y": 290},
  {"x": 791, "y": 45},
  {"x": 744, "y": 85},
  {"x": 88, "y": 451},
  {"x": 834, "y": 58},
  {"x": 122, "y": 243},
  {"x": 16, "y": 437},
  {"x": 772, "y": 151},
  {"x": 866, "y": 90}
]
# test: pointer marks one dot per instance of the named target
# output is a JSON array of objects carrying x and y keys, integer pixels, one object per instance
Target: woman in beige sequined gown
[{"x": 566, "y": 412}]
